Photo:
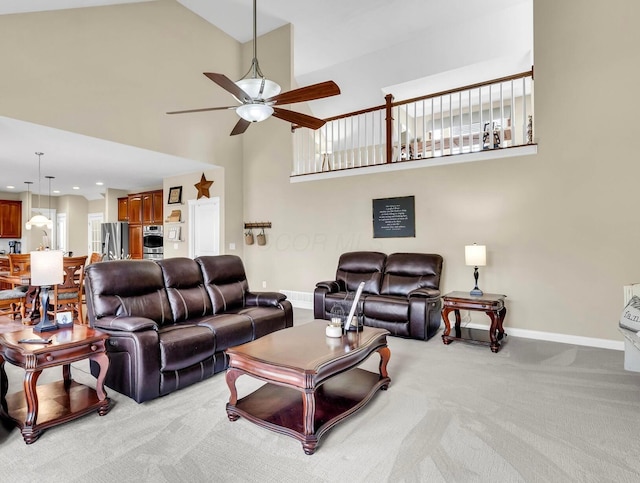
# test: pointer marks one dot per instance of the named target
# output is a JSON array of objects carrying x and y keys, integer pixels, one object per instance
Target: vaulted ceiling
[{"x": 369, "y": 47}]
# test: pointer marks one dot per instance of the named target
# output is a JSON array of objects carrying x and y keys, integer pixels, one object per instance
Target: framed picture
[
  {"x": 174, "y": 233},
  {"x": 394, "y": 217},
  {"x": 175, "y": 195}
]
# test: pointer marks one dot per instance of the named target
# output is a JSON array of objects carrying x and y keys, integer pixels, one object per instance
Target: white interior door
[
  {"x": 204, "y": 227},
  {"x": 94, "y": 220}
]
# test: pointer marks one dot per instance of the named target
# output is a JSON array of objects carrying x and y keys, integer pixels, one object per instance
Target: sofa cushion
[
  {"x": 185, "y": 288},
  {"x": 184, "y": 345},
  {"x": 128, "y": 287},
  {"x": 225, "y": 280},
  {"x": 356, "y": 267},
  {"x": 265, "y": 319},
  {"x": 229, "y": 329},
  {"x": 405, "y": 272},
  {"x": 389, "y": 308}
]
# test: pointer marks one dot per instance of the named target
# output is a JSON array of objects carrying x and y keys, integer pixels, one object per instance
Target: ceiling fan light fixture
[
  {"x": 252, "y": 87},
  {"x": 254, "y": 112}
]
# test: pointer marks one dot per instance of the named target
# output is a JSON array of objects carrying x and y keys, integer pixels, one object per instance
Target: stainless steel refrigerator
[{"x": 115, "y": 240}]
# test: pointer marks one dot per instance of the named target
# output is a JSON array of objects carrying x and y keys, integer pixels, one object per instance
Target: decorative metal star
[{"x": 203, "y": 187}]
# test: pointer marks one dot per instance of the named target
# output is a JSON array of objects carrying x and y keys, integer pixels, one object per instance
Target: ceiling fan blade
[
  {"x": 240, "y": 127},
  {"x": 309, "y": 93},
  {"x": 203, "y": 109},
  {"x": 298, "y": 118},
  {"x": 227, "y": 84}
]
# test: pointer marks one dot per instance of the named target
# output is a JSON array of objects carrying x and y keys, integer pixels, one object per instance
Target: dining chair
[
  {"x": 20, "y": 264},
  {"x": 95, "y": 257},
  {"x": 68, "y": 295},
  {"x": 12, "y": 303}
]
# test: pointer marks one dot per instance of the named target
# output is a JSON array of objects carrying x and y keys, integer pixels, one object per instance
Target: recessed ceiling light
[
  {"x": 10, "y": 187},
  {"x": 56, "y": 191},
  {"x": 76, "y": 187},
  {"x": 99, "y": 183}
]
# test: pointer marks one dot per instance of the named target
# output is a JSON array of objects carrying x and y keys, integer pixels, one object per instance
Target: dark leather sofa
[
  {"x": 401, "y": 292},
  {"x": 170, "y": 321}
]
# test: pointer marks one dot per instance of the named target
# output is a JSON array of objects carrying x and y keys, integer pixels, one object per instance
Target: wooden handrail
[
  {"x": 466, "y": 88},
  {"x": 428, "y": 96}
]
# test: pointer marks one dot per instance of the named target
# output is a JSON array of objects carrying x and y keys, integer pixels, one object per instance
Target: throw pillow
[{"x": 630, "y": 318}]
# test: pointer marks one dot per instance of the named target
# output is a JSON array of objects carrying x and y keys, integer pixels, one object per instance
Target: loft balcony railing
[{"x": 492, "y": 115}]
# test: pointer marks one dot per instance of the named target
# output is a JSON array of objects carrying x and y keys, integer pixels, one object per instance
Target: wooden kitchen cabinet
[
  {"x": 135, "y": 241},
  {"x": 158, "y": 207},
  {"x": 123, "y": 209},
  {"x": 152, "y": 208},
  {"x": 135, "y": 209},
  {"x": 10, "y": 219}
]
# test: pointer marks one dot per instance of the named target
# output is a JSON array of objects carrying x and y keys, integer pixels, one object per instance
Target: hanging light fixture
[
  {"x": 39, "y": 219},
  {"x": 257, "y": 86}
]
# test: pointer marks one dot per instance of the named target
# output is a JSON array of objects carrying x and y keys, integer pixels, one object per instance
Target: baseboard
[
  {"x": 299, "y": 300},
  {"x": 555, "y": 337},
  {"x": 304, "y": 300}
]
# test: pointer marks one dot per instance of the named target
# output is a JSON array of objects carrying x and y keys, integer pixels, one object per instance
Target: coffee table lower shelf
[{"x": 281, "y": 409}]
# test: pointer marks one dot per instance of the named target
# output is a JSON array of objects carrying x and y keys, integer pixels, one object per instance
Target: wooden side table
[
  {"x": 489, "y": 303},
  {"x": 36, "y": 408}
]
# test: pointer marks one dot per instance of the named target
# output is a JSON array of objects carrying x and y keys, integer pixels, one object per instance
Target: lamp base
[
  {"x": 476, "y": 292},
  {"x": 45, "y": 325}
]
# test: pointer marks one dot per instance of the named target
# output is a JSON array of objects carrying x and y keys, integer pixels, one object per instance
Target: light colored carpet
[{"x": 536, "y": 411}]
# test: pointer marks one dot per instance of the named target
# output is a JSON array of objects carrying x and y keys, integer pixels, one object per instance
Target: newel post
[{"x": 389, "y": 126}]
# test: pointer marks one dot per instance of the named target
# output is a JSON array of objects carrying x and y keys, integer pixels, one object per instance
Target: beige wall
[{"x": 559, "y": 226}]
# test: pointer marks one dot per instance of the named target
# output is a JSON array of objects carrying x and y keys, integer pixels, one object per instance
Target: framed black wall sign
[{"x": 394, "y": 217}]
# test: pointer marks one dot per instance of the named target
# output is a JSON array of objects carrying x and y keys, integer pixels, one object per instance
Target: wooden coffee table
[
  {"x": 38, "y": 408},
  {"x": 312, "y": 381}
]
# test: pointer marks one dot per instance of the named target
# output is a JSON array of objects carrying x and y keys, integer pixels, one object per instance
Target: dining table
[{"x": 33, "y": 294}]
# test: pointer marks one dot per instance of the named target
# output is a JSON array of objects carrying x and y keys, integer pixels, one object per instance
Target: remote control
[{"x": 35, "y": 341}]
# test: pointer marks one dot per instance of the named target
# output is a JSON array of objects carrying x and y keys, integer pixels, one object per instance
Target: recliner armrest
[
  {"x": 264, "y": 299},
  {"x": 125, "y": 324},
  {"x": 428, "y": 293},
  {"x": 331, "y": 286}
]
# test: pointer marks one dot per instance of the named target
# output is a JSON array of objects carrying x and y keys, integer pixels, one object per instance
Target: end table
[
  {"x": 489, "y": 303},
  {"x": 39, "y": 407}
]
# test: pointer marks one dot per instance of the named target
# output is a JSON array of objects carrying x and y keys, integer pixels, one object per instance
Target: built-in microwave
[{"x": 152, "y": 242}]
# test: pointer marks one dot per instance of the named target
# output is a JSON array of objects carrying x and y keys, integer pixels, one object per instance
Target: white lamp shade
[
  {"x": 254, "y": 112},
  {"x": 252, "y": 87},
  {"x": 46, "y": 268},
  {"x": 475, "y": 255}
]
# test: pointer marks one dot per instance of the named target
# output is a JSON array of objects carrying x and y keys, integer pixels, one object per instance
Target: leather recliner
[
  {"x": 401, "y": 292},
  {"x": 170, "y": 321}
]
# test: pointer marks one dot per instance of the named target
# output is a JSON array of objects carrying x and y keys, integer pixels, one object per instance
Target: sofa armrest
[
  {"x": 331, "y": 286},
  {"x": 264, "y": 299},
  {"x": 125, "y": 324},
  {"x": 428, "y": 293}
]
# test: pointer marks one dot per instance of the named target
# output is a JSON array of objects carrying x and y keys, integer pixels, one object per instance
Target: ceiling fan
[{"x": 259, "y": 96}]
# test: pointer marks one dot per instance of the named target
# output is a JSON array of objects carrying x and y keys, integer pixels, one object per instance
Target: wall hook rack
[{"x": 261, "y": 224}]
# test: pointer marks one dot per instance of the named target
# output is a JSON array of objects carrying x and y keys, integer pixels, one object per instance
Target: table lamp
[
  {"x": 475, "y": 256},
  {"x": 46, "y": 270}
]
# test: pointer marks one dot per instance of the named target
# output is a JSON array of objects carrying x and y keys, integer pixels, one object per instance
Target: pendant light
[{"x": 39, "y": 219}]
